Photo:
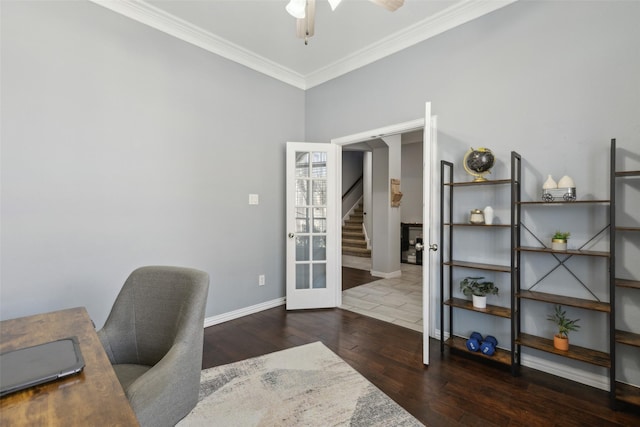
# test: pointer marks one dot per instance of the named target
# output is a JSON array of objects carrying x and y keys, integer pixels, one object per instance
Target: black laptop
[{"x": 30, "y": 366}]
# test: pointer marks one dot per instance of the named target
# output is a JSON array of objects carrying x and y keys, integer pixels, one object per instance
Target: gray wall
[
  {"x": 351, "y": 173},
  {"x": 123, "y": 146},
  {"x": 554, "y": 81},
  {"x": 411, "y": 183}
]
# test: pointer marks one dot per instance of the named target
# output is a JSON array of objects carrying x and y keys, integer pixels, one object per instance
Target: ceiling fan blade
[
  {"x": 305, "y": 27},
  {"x": 334, "y": 4},
  {"x": 390, "y": 5}
]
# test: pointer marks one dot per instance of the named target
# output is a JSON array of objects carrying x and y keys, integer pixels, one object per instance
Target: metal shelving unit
[
  {"x": 522, "y": 339},
  {"x": 617, "y": 391},
  {"x": 622, "y": 392},
  {"x": 448, "y": 302}
]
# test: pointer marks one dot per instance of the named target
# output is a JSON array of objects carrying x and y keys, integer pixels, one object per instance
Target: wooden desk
[{"x": 91, "y": 398}]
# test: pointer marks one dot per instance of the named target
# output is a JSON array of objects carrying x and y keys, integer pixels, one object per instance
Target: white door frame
[{"x": 429, "y": 157}]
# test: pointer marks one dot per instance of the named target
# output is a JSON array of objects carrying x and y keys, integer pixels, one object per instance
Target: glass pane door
[
  {"x": 311, "y": 219},
  {"x": 313, "y": 275}
]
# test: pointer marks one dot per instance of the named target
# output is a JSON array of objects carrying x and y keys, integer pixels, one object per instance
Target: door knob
[
  {"x": 291, "y": 235},
  {"x": 419, "y": 247},
  {"x": 433, "y": 247}
]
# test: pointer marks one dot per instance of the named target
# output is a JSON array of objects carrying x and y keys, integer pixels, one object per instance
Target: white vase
[
  {"x": 549, "y": 183},
  {"x": 566, "y": 182},
  {"x": 479, "y": 302},
  {"x": 488, "y": 215}
]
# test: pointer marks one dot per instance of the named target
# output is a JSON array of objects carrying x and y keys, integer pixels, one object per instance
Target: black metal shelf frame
[
  {"x": 447, "y": 186},
  {"x": 619, "y": 392},
  {"x": 561, "y": 262},
  {"x": 518, "y": 293}
]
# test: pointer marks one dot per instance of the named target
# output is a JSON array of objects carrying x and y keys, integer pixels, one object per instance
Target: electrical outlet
[{"x": 261, "y": 280}]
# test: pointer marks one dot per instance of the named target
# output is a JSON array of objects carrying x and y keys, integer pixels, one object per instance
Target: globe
[{"x": 478, "y": 162}]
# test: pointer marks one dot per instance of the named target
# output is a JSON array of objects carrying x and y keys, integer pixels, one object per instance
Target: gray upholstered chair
[{"x": 153, "y": 337}]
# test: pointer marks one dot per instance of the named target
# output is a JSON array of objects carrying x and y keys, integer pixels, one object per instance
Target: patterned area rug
[{"x": 301, "y": 386}]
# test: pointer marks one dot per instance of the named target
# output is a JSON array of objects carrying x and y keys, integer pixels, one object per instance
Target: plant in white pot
[
  {"x": 559, "y": 240},
  {"x": 473, "y": 287},
  {"x": 565, "y": 325}
]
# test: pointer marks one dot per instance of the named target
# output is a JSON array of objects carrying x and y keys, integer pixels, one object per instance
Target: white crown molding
[
  {"x": 453, "y": 16},
  {"x": 147, "y": 14},
  {"x": 458, "y": 14}
]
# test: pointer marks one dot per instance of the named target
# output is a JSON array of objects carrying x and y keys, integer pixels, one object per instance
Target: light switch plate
[{"x": 253, "y": 199}]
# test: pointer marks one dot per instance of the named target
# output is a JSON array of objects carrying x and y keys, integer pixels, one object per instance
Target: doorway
[
  {"x": 396, "y": 299},
  {"x": 428, "y": 127}
]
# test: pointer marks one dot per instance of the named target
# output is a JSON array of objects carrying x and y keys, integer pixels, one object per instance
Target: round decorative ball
[{"x": 478, "y": 162}]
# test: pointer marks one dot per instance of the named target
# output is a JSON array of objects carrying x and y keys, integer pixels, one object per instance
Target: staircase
[{"x": 353, "y": 241}]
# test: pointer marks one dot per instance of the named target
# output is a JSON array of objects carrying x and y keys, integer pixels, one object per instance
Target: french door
[{"x": 312, "y": 269}]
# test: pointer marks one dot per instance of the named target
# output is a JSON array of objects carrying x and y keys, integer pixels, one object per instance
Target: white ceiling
[{"x": 262, "y": 35}]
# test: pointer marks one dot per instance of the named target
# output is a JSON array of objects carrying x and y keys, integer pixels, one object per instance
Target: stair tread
[
  {"x": 358, "y": 245},
  {"x": 361, "y": 253},
  {"x": 353, "y": 241}
]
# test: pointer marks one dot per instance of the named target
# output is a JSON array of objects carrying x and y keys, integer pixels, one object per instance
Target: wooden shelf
[
  {"x": 487, "y": 182},
  {"x": 628, "y": 173},
  {"x": 479, "y": 266},
  {"x": 582, "y": 354},
  {"x": 459, "y": 343},
  {"x": 628, "y": 393},
  {"x": 628, "y": 338},
  {"x": 567, "y": 252},
  {"x": 562, "y": 202},
  {"x": 587, "y": 304},
  {"x": 623, "y": 228},
  {"x": 494, "y": 310},
  {"x": 626, "y": 283},
  {"x": 463, "y": 224}
]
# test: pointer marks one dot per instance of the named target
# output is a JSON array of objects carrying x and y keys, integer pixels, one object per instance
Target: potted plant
[
  {"x": 472, "y": 286},
  {"x": 559, "y": 240},
  {"x": 565, "y": 325}
]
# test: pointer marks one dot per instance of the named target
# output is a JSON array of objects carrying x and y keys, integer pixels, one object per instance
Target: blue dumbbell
[
  {"x": 488, "y": 346},
  {"x": 473, "y": 343}
]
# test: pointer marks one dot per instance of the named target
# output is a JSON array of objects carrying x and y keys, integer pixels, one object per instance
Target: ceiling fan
[{"x": 305, "y": 10}]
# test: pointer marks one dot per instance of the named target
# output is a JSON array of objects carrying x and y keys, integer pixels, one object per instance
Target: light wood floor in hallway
[{"x": 397, "y": 300}]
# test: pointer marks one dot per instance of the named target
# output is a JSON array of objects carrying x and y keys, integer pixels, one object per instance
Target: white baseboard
[
  {"x": 351, "y": 211},
  {"x": 558, "y": 369},
  {"x": 225, "y": 317},
  {"x": 564, "y": 371},
  {"x": 391, "y": 275},
  {"x": 366, "y": 236}
]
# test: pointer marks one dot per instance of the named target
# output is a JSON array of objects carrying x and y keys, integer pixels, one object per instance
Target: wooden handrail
[{"x": 359, "y": 180}]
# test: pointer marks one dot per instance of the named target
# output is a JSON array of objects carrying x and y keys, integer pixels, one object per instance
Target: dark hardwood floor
[
  {"x": 452, "y": 390},
  {"x": 352, "y": 277}
]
